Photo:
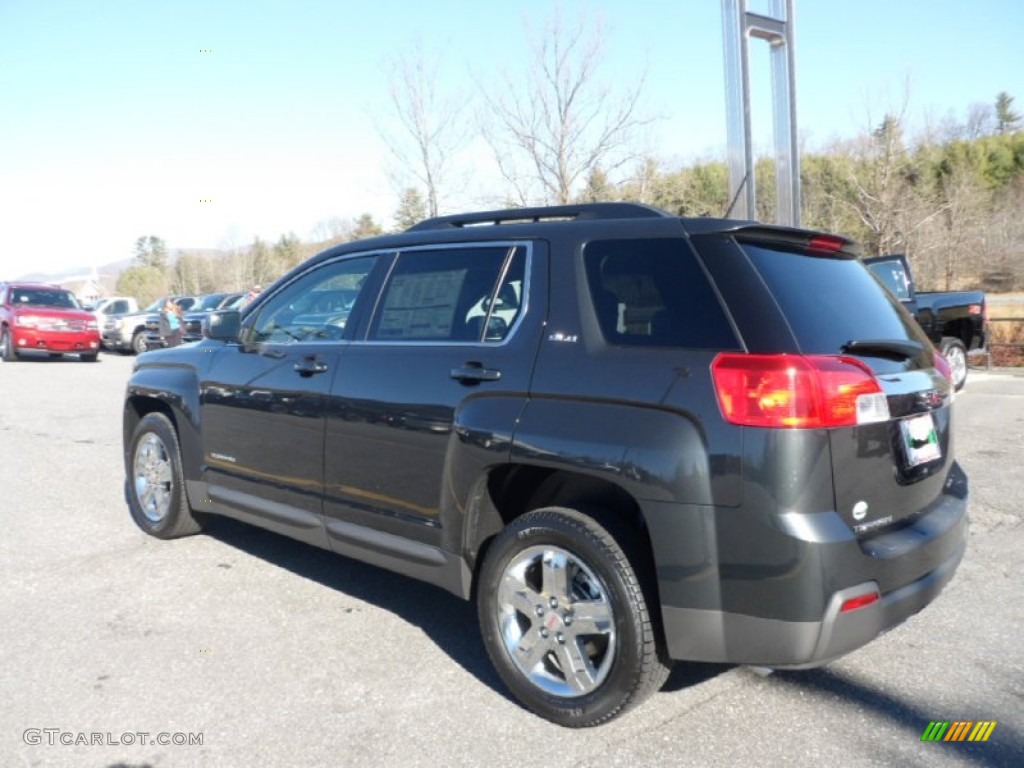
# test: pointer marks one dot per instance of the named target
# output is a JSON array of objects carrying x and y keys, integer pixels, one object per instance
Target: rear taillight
[
  {"x": 797, "y": 391},
  {"x": 942, "y": 366}
]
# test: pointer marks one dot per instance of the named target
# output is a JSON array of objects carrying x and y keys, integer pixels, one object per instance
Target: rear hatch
[{"x": 859, "y": 358}]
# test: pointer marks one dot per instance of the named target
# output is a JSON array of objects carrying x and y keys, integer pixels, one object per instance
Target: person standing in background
[{"x": 170, "y": 324}]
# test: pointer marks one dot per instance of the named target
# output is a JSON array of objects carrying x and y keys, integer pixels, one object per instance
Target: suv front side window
[{"x": 316, "y": 306}]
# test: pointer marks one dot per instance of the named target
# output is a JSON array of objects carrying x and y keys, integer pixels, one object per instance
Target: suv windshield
[
  {"x": 43, "y": 297},
  {"x": 209, "y": 303}
]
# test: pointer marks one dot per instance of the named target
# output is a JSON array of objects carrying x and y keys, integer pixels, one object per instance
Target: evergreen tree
[
  {"x": 412, "y": 209},
  {"x": 288, "y": 252},
  {"x": 365, "y": 226},
  {"x": 1006, "y": 118},
  {"x": 151, "y": 252},
  {"x": 598, "y": 189}
]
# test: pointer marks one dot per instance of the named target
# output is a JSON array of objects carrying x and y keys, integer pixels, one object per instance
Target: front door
[
  {"x": 263, "y": 400},
  {"x": 453, "y": 337}
]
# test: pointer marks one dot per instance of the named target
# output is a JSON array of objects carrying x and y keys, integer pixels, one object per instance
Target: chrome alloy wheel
[
  {"x": 957, "y": 360},
  {"x": 556, "y": 621},
  {"x": 153, "y": 475}
]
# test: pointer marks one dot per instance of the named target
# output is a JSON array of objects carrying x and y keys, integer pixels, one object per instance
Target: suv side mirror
[{"x": 222, "y": 325}]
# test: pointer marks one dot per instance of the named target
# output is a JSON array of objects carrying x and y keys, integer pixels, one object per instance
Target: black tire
[
  {"x": 532, "y": 632},
  {"x": 7, "y": 352},
  {"x": 956, "y": 355},
  {"x": 139, "y": 343},
  {"x": 89, "y": 357},
  {"x": 155, "y": 482}
]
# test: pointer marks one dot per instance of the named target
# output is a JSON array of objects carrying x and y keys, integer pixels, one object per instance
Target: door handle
[
  {"x": 475, "y": 372},
  {"x": 310, "y": 365}
]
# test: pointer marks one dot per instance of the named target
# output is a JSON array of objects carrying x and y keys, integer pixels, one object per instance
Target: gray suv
[{"x": 630, "y": 438}]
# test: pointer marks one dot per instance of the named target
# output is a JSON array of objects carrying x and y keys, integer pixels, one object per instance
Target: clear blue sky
[{"x": 115, "y": 124}]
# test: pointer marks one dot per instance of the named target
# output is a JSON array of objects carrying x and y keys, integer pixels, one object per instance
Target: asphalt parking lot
[{"x": 278, "y": 654}]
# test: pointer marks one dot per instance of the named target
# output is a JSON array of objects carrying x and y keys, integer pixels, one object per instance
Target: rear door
[{"x": 443, "y": 369}]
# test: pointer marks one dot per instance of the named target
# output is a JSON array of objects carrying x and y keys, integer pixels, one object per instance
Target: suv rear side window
[
  {"x": 452, "y": 294},
  {"x": 653, "y": 293},
  {"x": 829, "y": 301}
]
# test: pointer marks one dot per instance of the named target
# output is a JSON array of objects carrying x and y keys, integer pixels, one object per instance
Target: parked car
[
  {"x": 127, "y": 333},
  {"x": 45, "y": 318},
  {"x": 113, "y": 306},
  {"x": 631, "y": 438},
  {"x": 953, "y": 320},
  {"x": 192, "y": 322}
]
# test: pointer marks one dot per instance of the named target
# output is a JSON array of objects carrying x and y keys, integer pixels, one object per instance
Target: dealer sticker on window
[{"x": 920, "y": 439}]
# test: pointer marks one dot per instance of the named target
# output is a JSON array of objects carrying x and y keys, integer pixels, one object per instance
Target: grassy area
[{"x": 1006, "y": 333}]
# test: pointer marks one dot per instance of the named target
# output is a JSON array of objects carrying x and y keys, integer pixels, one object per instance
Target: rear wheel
[
  {"x": 565, "y": 619},
  {"x": 7, "y": 353},
  {"x": 956, "y": 355},
  {"x": 156, "y": 487},
  {"x": 88, "y": 357}
]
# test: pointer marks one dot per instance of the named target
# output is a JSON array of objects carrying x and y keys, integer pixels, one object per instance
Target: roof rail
[{"x": 580, "y": 212}]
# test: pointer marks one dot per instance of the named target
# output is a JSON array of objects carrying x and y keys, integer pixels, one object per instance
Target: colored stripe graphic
[
  {"x": 959, "y": 730},
  {"x": 935, "y": 730},
  {"x": 982, "y": 730}
]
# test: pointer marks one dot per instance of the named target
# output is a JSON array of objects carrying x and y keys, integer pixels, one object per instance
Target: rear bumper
[
  {"x": 798, "y": 622},
  {"x": 25, "y": 339},
  {"x": 739, "y": 639}
]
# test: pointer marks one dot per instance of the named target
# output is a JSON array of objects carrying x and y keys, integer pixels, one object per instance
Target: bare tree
[
  {"x": 432, "y": 125},
  {"x": 980, "y": 121},
  {"x": 551, "y": 131}
]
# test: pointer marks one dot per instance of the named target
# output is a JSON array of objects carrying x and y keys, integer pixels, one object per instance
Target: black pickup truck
[{"x": 954, "y": 320}]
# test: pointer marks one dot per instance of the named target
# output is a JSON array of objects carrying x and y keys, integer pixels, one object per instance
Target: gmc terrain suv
[{"x": 631, "y": 438}]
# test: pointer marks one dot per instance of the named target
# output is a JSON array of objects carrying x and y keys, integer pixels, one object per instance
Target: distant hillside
[{"x": 107, "y": 273}]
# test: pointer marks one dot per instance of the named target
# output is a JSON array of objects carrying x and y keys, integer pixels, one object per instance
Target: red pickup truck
[{"x": 45, "y": 318}]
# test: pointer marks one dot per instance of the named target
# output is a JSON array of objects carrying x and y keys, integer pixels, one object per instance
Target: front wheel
[
  {"x": 956, "y": 355},
  {"x": 139, "y": 342},
  {"x": 565, "y": 619},
  {"x": 156, "y": 486},
  {"x": 7, "y": 353}
]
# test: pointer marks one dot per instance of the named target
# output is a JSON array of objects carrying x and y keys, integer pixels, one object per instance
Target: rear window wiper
[{"x": 899, "y": 349}]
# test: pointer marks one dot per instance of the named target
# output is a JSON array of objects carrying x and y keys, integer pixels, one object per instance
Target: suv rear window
[
  {"x": 653, "y": 293},
  {"x": 830, "y": 301}
]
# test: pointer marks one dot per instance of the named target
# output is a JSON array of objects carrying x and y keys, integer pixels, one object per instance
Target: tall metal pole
[{"x": 738, "y": 26}]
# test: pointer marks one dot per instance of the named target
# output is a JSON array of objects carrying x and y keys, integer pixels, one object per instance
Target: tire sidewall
[
  {"x": 956, "y": 347},
  {"x": 138, "y": 344},
  {"x": 157, "y": 424},
  {"x": 7, "y": 353},
  {"x": 621, "y": 682}
]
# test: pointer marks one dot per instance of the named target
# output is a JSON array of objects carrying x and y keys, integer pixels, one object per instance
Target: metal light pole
[{"x": 738, "y": 26}]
